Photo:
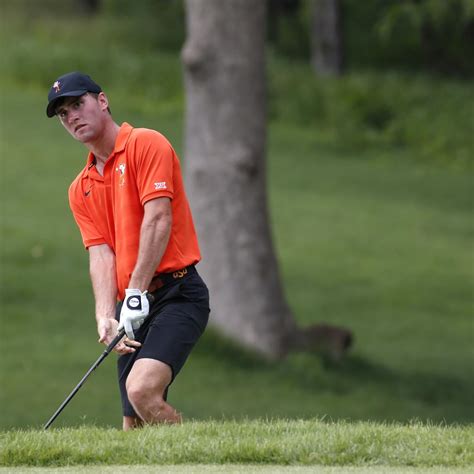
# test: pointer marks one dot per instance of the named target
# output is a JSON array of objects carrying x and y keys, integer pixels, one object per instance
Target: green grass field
[
  {"x": 371, "y": 241},
  {"x": 236, "y": 469},
  {"x": 373, "y": 230},
  {"x": 283, "y": 443}
]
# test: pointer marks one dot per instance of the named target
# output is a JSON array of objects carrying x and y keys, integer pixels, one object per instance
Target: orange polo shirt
[{"x": 109, "y": 209}]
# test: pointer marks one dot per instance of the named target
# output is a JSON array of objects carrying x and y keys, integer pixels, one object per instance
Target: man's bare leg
[
  {"x": 146, "y": 385},
  {"x": 131, "y": 422}
]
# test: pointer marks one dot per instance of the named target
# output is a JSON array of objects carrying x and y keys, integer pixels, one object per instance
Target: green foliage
[
  {"x": 111, "y": 50},
  {"x": 161, "y": 23},
  {"x": 438, "y": 33},
  {"x": 279, "y": 442},
  {"x": 420, "y": 35},
  {"x": 288, "y": 28},
  {"x": 410, "y": 112},
  {"x": 143, "y": 26}
]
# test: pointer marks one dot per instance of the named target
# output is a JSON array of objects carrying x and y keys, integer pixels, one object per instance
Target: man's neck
[{"x": 103, "y": 147}]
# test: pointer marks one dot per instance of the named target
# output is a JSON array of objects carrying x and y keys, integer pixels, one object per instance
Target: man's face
[{"x": 84, "y": 117}]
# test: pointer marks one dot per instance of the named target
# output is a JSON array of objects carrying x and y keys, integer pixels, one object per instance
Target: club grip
[{"x": 115, "y": 341}]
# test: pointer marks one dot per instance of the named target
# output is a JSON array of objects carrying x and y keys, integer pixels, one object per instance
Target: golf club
[{"x": 96, "y": 364}]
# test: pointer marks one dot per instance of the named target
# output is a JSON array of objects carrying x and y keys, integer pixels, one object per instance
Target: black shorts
[{"x": 178, "y": 317}]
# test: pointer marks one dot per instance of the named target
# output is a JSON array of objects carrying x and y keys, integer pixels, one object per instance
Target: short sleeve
[
  {"x": 90, "y": 235},
  {"x": 155, "y": 161}
]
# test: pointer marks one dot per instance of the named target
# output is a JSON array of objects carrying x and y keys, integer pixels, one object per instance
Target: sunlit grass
[{"x": 277, "y": 442}]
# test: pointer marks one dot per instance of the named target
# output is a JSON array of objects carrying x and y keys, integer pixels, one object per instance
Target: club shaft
[{"x": 106, "y": 352}]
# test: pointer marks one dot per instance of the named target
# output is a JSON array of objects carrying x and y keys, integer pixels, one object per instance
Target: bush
[
  {"x": 419, "y": 35},
  {"x": 425, "y": 115},
  {"x": 413, "y": 112}
]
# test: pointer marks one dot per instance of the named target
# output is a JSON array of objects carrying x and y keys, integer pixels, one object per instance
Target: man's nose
[{"x": 73, "y": 116}]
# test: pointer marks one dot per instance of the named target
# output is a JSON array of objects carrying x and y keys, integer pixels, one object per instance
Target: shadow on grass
[
  {"x": 449, "y": 398},
  {"x": 429, "y": 388}
]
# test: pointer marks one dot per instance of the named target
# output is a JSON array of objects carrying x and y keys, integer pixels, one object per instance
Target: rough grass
[{"x": 276, "y": 442}]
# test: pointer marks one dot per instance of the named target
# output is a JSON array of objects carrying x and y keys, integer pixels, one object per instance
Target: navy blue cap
[{"x": 72, "y": 84}]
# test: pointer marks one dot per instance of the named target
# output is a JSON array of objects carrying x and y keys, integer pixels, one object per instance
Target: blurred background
[{"x": 369, "y": 164}]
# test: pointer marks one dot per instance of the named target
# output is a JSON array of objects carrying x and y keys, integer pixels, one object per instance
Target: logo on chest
[{"x": 121, "y": 170}]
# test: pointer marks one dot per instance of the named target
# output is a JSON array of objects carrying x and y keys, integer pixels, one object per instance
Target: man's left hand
[{"x": 134, "y": 311}]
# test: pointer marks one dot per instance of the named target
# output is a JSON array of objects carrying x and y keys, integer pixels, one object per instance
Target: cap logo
[{"x": 57, "y": 86}]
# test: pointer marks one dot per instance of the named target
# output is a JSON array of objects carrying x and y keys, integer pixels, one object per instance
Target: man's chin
[{"x": 84, "y": 137}]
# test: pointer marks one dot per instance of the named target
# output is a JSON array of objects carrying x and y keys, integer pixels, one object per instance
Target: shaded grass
[{"x": 255, "y": 442}]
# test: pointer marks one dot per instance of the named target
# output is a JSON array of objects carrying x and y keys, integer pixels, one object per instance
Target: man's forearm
[
  {"x": 102, "y": 272},
  {"x": 154, "y": 235}
]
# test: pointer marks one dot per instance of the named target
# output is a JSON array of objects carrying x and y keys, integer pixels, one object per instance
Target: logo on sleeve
[{"x": 161, "y": 185}]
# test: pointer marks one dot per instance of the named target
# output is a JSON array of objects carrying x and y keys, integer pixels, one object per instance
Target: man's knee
[
  {"x": 141, "y": 393},
  {"x": 147, "y": 383}
]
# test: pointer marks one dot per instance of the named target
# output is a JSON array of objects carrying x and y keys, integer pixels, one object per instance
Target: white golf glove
[{"x": 134, "y": 311}]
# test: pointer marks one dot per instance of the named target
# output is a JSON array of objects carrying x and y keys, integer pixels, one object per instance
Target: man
[{"x": 131, "y": 208}]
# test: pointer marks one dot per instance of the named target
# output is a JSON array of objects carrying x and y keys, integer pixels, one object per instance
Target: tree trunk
[
  {"x": 326, "y": 37},
  {"x": 225, "y": 140}
]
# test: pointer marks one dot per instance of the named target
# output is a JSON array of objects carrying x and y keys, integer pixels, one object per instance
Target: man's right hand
[{"x": 107, "y": 329}]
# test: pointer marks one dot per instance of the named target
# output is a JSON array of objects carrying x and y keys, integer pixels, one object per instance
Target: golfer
[{"x": 131, "y": 208}]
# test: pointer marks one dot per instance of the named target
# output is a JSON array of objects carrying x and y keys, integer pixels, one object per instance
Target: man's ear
[{"x": 103, "y": 101}]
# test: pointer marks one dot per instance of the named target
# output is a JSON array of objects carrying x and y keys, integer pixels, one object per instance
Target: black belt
[{"x": 163, "y": 279}]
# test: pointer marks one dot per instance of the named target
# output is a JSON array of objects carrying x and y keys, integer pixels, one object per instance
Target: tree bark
[
  {"x": 327, "y": 37},
  {"x": 225, "y": 139}
]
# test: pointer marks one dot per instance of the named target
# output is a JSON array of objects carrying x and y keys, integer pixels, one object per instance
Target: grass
[
  {"x": 237, "y": 469},
  {"x": 374, "y": 242},
  {"x": 378, "y": 245},
  {"x": 297, "y": 442},
  {"x": 370, "y": 234}
]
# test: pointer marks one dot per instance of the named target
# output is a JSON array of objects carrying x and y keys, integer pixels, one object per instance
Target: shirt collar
[
  {"x": 120, "y": 142},
  {"x": 122, "y": 137}
]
